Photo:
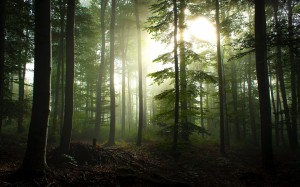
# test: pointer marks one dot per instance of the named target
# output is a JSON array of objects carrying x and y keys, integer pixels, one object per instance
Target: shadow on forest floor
[{"x": 150, "y": 165}]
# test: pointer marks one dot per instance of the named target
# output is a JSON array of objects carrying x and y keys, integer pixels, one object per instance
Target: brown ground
[{"x": 150, "y": 165}]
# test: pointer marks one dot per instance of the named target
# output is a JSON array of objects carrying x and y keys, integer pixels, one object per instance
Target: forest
[{"x": 149, "y": 93}]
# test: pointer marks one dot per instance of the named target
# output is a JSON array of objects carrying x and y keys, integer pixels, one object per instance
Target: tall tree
[
  {"x": 220, "y": 74},
  {"x": 182, "y": 74},
  {"x": 175, "y": 51},
  {"x": 280, "y": 73},
  {"x": 140, "y": 72},
  {"x": 60, "y": 63},
  {"x": 295, "y": 144},
  {"x": 112, "y": 130},
  {"x": 250, "y": 103},
  {"x": 35, "y": 155},
  {"x": 263, "y": 84},
  {"x": 68, "y": 117},
  {"x": 101, "y": 70},
  {"x": 2, "y": 47}
]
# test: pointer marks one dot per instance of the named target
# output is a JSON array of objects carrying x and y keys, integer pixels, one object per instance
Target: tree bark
[
  {"x": 59, "y": 65},
  {"x": 279, "y": 71},
  {"x": 69, "y": 94},
  {"x": 176, "y": 109},
  {"x": 129, "y": 102},
  {"x": 123, "y": 100},
  {"x": 182, "y": 71},
  {"x": 201, "y": 107},
  {"x": 111, "y": 138},
  {"x": 140, "y": 66},
  {"x": 2, "y": 51},
  {"x": 263, "y": 84},
  {"x": 294, "y": 133},
  {"x": 250, "y": 102},
  {"x": 237, "y": 127},
  {"x": 35, "y": 156},
  {"x": 21, "y": 74},
  {"x": 101, "y": 70},
  {"x": 221, "y": 90}
]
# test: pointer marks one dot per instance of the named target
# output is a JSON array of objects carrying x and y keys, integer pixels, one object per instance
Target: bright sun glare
[{"x": 202, "y": 29}]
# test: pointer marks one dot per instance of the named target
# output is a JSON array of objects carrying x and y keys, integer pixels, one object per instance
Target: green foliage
[
  {"x": 159, "y": 22},
  {"x": 159, "y": 77},
  {"x": 167, "y": 130},
  {"x": 202, "y": 76}
]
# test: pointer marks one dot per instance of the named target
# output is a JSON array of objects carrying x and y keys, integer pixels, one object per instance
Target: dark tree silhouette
[
  {"x": 101, "y": 71},
  {"x": 294, "y": 144},
  {"x": 68, "y": 117},
  {"x": 221, "y": 90},
  {"x": 263, "y": 84},
  {"x": 2, "y": 46},
  {"x": 59, "y": 64},
  {"x": 182, "y": 72},
  {"x": 176, "y": 109},
  {"x": 35, "y": 156},
  {"x": 112, "y": 130},
  {"x": 140, "y": 126}
]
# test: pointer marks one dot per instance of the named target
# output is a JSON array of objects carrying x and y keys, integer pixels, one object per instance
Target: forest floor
[{"x": 152, "y": 164}]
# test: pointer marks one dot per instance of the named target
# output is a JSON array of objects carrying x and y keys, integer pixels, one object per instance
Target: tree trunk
[
  {"x": 21, "y": 74},
  {"x": 59, "y": 65},
  {"x": 2, "y": 49},
  {"x": 295, "y": 144},
  {"x": 279, "y": 72},
  {"x": 263, "y": 84},
  {"x": 69, "y": 94},
  {"x": 235, "y": 101},
  {"x": 176, "y": 110},
  {"x": 140, "y": 66},
  {"x": 274, "y": 107},
  {"x": 35, "y": 156},
  {"x": 221, "y": 90},
  {"x": 129, "y": 102},
  {"x": 250, "y": 102},
  {"x": 201, "y": 107},
  {"x": 145, "y": 121},
  {"x": 182, "y": 71},
  {"x": 101, "y": 70},
  {"x": 123, "y": 58},
  {"x": 111, "y": 138}
]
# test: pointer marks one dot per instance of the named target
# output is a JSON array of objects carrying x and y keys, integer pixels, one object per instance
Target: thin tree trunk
[
  {"x": 201, "y": 108},
  {"x": 243, "y": 121},
  {"x": 220, "y": 74},
  {"x": 182, "y": 72},
  {"x": 111, "y": 138},
  {"x": 235, "y": 105},
  {"x": 2, "y": 51},
  {"x": 35, "y": 156},
  {"x": 295, "y": 144},
  {"x": 263, "y": 84},
  {"x": 129, "y": 102},
  {"x": 59, "y": 65},
  {"x": 277, "y": 114},
  {"x": 69, "y": 94},
  {"x": 279, "y": 72},
  {"x": 250, "y": 102},
  {"x": 21, "y": 73},
  {"x": 123, "y": 57},
  {"x": 140, "y": 66},
  {"x": 101, "y": 70},
  {"x": 176, "y": 110},
  {"x": 274, "y": 106},
  {"x": 145, "y": 110}
]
